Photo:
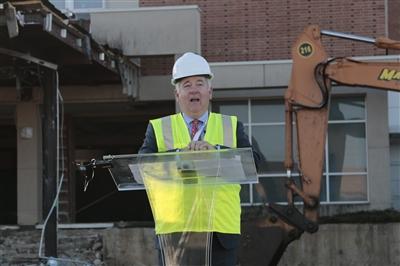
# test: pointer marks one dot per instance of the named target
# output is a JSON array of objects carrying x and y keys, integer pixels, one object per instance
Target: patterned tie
[{"x": 194, "y": 127}]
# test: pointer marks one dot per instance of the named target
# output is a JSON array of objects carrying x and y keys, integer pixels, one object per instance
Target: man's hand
[{"x": 199, "y": 145}]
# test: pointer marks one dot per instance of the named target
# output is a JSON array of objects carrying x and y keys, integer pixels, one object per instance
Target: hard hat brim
[{"x": 174, "y": 81}]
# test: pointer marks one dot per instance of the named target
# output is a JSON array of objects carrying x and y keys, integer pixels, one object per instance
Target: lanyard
[{"x": 196, "y": 136}]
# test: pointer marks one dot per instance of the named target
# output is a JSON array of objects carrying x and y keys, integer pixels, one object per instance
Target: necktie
[{"x": 194, "y": 127}]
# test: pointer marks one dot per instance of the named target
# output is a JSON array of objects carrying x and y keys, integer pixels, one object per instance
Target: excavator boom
[
  {"x": 377, "y": 75},
  {"x": 307, "y": 105},
  {"x": 307, "y": 101}
]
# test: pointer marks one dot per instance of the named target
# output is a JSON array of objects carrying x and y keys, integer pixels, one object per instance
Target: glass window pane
[
  {"x": 352, "y": 108},
  {"x": 59, "y": 4},
  {"x": 275, "y": 189},
  {"x": 323, "y": 195},
  {"x": 267, "y": 111},
  {"x": 269, "y": 141},
  {"x": 246, "y": 129},
  {"x": 295, "y": 153},
  {"x": 348, "y": 188},
  {"x": 346, "y": 146},
  {"x": 81, "y": 4},
  {"x": 238, "y": 109},
  {"x": 245, "y": 194}
]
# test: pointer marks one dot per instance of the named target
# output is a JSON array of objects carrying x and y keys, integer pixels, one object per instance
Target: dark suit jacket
[{"x": 228, "y": 241}]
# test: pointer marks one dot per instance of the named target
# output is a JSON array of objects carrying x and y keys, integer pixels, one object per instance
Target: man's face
[{"x": 193, "y": 95}]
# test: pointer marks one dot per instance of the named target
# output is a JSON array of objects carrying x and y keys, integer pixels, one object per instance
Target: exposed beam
[
  {"x": 50, "y": 88},
  {"x": 28, "y": 58}
]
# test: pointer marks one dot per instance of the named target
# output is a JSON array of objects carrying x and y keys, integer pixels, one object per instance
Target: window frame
[{"x": 249, "y": 126}]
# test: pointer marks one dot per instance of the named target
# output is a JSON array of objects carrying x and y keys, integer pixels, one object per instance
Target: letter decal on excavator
[
  {"x": 305, "y": 49},
  {"x": 389, "y": 74}
]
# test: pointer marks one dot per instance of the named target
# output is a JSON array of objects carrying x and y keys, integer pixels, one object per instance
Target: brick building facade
[{"x": 265, "y": 30}]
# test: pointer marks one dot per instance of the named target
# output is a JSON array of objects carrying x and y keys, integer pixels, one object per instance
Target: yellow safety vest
[{"x": 194, "y": 208}]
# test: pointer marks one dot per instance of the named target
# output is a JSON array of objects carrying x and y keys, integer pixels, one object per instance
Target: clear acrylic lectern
[{"x": 186, "y": 191}]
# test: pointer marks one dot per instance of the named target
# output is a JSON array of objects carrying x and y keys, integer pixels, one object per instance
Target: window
[
  {"x": 345, "y": 171},
  {"x": 77, "y": 4}
]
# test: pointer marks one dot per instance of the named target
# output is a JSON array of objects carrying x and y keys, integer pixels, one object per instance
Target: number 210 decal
[{"x": 305, "y": 49}]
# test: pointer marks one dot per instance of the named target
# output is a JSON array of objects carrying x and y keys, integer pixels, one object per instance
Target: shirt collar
[{"x": 203, "y": 118}]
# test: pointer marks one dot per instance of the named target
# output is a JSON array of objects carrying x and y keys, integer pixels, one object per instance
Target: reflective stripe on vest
[
  {"x": 167, "y": 133},
  {"x": 228, "y": 131}
]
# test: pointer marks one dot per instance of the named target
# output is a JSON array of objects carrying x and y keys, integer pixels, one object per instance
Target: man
[{"x": 195, "y": 128}]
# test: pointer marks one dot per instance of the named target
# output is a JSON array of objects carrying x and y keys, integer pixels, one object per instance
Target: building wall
[
  {"x": 395, "y": 171},
  {"x": 394, "y": 109},
  {"x": 334, "y": 244},
  {"x": 393, "y": 11},
  {"x": 265, "y": 30},
  {"x": 83, "y": 5},
  {"x": 393, "y": 19},
  {"x": 121, "y": 4},
  {"x": 394, "y": 128},
  {"x": 346, "y": 244},
  {"x": 136, "y": 33}
]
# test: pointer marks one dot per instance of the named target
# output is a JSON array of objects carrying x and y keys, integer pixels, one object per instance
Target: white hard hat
[{"x": 190, "y": 64}]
